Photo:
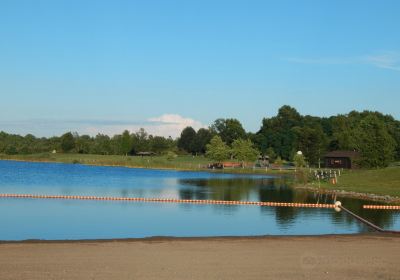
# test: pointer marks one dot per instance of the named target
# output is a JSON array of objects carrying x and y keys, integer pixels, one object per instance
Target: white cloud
[
  {"x": 165, "y": 125},
  {"x": 171, "y": 125},
  {"x": 177, "y": 120},
  {"x": 387, "y": 60}
]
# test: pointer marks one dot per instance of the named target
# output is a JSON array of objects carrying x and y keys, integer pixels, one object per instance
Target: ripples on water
[{"x": 61, "y": 219}]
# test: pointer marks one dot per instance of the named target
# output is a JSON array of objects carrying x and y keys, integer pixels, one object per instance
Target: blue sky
[{"x": 102, "y": 66}]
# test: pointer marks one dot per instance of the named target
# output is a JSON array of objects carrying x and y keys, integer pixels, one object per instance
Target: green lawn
[
  {"x": 181, "y": 162},
  {"x": 385, "y": 181},
  {"x": 161, "y": 162}
]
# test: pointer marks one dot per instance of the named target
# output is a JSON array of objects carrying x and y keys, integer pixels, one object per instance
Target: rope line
[
  {"x": 368, "y": 223},
  {"x": 382, "y": 207},
  {"x": 169, "y": 200}
]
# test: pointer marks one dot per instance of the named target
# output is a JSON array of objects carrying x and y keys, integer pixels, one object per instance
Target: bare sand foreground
[{"x": 325, "y": 257}]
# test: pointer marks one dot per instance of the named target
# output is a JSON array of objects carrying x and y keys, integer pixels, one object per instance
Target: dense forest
[{"x": 375, "y": 135}]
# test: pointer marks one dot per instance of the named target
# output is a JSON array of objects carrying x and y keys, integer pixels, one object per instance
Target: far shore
[
  {"x": 108, "y": 165},
  {"x": 365, "y": 256},
  {"x": 245, "y": 171}
]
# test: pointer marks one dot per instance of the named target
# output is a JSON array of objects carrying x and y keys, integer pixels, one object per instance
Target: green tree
[
  {"x": 299, "y": 160},
  {"x": 141, "y": 141},
  {"x": 53, "y": 143},
  {"x": 67, "y": 142},
  {"x": 203, "y": 137},
  {"x": 217, "y": 149},
  {"x": 32, "y": 143},
  {"x": 279, "y": 161},
  {"x": 229, "y": 130},
  {"x": 102, "y": 145},
  {"x": 126, "y": 143},
  {"x": 159, "y": 144},
  {"x": 10, "y": 150},
  {"x": 115, "y": 145},
  {"x": 271, "y": 154},
  {"x": 243, "y": 150},
  {"x": 343, "y": 133},
  {"x": 83, "y": 144},
  {"x": 373, "y": 140},
  {"x": 187, "y": 140},
  {"x": 311, "y": 140},
  {"x": 278, "y": 132}
]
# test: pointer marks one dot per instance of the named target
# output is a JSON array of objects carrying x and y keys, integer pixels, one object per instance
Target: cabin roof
[{"x": 343, "y": 154}]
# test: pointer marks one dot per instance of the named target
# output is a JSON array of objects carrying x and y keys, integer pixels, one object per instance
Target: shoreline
[
  {"x": 351, "y": 194},
  {"x": 152, "y": 239}
]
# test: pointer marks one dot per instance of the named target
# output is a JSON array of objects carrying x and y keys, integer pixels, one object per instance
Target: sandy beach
[{"x": 323, "y": 257}]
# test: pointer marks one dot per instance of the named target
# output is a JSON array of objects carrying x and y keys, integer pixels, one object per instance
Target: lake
[{"x": 23, "y": 219}]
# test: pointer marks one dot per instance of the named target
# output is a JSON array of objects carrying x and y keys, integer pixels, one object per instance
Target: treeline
[
  {"x": 375, "y": 135},
  {"x": 121, "y": 144}
]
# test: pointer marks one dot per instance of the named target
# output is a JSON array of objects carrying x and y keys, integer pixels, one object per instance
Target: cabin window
[{"x": 336, "y": 161}]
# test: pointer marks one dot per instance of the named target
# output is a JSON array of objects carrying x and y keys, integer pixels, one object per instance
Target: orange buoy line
[
  {"x": 169, "y": 200},
  {"x": 382, "y": 207}
]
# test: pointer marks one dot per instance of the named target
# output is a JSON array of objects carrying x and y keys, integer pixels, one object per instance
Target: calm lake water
[{"x": 22, "y": 219}]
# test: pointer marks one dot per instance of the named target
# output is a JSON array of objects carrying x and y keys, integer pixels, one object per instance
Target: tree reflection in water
[{"x": 278, "y": 190}]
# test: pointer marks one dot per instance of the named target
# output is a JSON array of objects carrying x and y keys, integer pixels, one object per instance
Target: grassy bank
[
  {"x": 385, "y": 181},
  {"x": 179, "y": 163},
  {"x": 194, "y": 163}
]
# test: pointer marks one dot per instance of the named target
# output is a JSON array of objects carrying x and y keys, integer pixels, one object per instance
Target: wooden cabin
[{"x": 341, "y": 159}]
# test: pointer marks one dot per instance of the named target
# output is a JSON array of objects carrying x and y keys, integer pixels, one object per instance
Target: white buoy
[{"x": 338, "y": 204}]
